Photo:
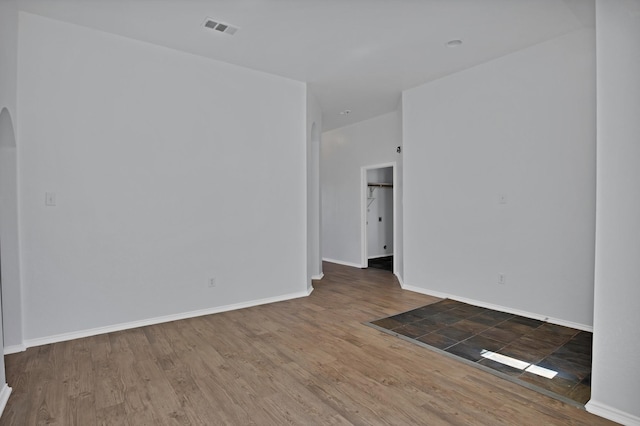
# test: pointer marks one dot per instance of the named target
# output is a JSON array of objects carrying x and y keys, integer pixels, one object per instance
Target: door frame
[{"x": 364, "y": 259}]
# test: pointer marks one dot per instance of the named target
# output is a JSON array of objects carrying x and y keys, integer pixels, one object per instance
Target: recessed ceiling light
[
  {"x": 345, "y": 112},
  {"x": 453, "y": 43}
]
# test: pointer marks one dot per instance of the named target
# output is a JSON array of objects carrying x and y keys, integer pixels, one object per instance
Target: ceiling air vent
[{"x": 219, "y": 26}]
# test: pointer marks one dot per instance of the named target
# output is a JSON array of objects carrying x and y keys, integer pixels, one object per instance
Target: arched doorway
[{"x": 9, "y": 248}]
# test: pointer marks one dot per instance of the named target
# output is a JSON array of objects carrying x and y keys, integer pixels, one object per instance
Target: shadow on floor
[{"x": 385, "y": 263}]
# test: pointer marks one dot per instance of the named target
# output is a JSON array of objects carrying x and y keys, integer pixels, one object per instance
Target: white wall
[
  {"x": 344, "y": 152},
  {"x": 398, "y": 183},
  {"x": 8, "y": 54},
  {"x": 615, "y": 385},
  {"x": 524, "y": 126},
  {"x": 168, "y": 169},
  {"x": 314, "y": 132},
  {"x": 7, "y": 233},
  {"x": 380, "y": 206},
  {"x": 10, "y": 310}
]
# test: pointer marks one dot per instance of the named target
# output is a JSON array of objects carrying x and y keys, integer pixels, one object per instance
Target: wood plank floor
[{"x": 302, "y": 362}]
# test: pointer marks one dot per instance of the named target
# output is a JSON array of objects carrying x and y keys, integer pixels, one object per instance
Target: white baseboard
[
  {"x": 425, "y": 291},
  {"x": 158, "y": 320},
  {"x": 400, "y": 280},
  {"x": 613, "y": 414},
  {"x": 342, "y": 262},
  {"x": 317, "y": 277},
  {"x": 506, "y": 309},
  {"x": 14, "y": 349},
  {"x": 4, "y": 397},
  {"x": 378, "y": 256}
]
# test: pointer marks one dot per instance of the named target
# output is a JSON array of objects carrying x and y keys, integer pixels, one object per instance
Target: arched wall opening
[{"x": 9, "y": 246}]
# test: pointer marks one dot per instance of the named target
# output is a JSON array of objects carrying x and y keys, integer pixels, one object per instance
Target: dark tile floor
[
  {"x": 385, "y": 263},
  {"x": 528, "y": 351}
]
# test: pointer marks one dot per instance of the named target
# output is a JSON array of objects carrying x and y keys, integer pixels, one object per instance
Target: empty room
[{"x": 317, "y": 212}]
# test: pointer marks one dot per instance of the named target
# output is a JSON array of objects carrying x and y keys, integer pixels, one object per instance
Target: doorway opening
[
  {"x": 10, "y": 291},
  {"x": 378, "y": 217}
]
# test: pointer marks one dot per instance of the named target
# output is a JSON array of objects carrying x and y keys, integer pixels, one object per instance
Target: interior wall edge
[
  {"x": 14, "y": 349},
  {"x": 4, "y": 397},
  {"x": 613, "y": 414}
]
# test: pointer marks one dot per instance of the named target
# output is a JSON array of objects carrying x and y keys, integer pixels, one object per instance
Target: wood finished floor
[{"x": 305, "y": 361}]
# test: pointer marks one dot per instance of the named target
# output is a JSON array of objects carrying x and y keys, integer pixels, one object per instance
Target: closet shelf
[{"x": 372, "y": 187}]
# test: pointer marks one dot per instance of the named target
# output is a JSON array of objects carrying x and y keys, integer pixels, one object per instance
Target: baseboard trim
[
  {"x": 378, "y": 256},
  {"x": 341, "y": 262},
  {"x": 425, "y": 291},
  {"x": 613, "y": 414},
  {"x": 4, "y": 397},
  {"x": 400, "y": 280},
  {"x": 557, "y": 321},
  {"x": 317, "y": 277},
  {"x": 158, "y": 320},
  {"x": 14, "y": 349}
]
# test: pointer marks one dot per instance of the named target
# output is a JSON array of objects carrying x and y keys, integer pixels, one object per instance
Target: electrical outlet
[
  {"x": 212, "y": 282},
  {"x": 50, "y": 199},
  {"x": 502, "y": 279}
]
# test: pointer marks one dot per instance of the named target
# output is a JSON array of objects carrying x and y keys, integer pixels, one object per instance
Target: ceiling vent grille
[{"x": 220, "y": 26}]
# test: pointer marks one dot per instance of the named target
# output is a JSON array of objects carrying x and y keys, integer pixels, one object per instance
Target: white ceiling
[{"x": 355, "y": 54}]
